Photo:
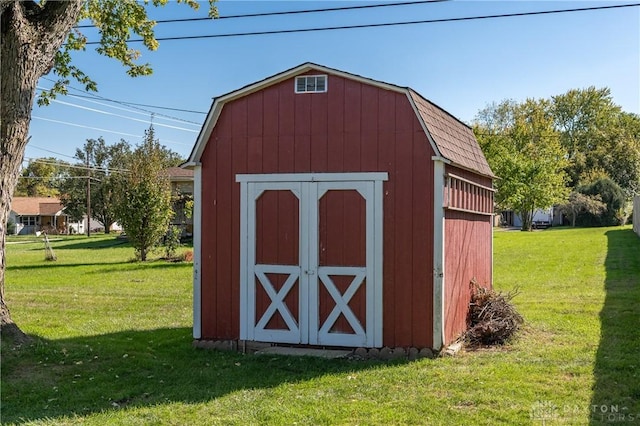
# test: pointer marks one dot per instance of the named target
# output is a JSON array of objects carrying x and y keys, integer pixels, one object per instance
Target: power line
[
  {"x": 121, "y": 116},
  {"x": 92, "y": 100},
  {"x": 104, "y": 130},
  {"x": 84, "y": 127},
  {"x": 74, "y": 166},
  {"x": 386, "y": 24},
  {"x": 52, "y": 152},
  {"x": 288, "y": 12},
  {"x": 132, "y": 104},
  {"x": 177, "y": 120}
]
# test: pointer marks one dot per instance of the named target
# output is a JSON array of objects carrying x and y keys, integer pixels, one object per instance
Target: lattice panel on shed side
[{"x": 467, "y": 196}]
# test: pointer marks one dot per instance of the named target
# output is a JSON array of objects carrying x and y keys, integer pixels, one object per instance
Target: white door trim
[
  {"x": 314, "y": 177},
  {"x": 249, "y": 330},
  {"x": 309, "y": 188}
]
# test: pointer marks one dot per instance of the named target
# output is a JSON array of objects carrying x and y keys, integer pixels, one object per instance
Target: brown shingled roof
[
  {"x": 178, "y": 173},
  {"x": 36, "y": 206},
  {"x": 454, "y": 139},
  {"x": 50, "y": 209}
]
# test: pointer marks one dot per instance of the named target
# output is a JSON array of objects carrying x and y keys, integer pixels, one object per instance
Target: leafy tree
[
  {"x": 32, "y": 44},
  {"x": 144, "y": 196},
  {"x": 169, "y": 158},
  {"x": 611, "y": 195},
  {"x": 522, "y": 148},
  {"x": 41, "y": 178},
  {"x": 621, "y": 159},
  {"x": 598, "y": 135},
  {"x": 103, "y": 162},
  {"x": 579, "y": 203}
]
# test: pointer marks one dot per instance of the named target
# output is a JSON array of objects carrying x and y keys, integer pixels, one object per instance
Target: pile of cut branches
[{"x": 492, "y": 318}]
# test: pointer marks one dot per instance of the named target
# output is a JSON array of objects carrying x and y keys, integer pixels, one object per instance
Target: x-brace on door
[{"x": 311, "y": 258}]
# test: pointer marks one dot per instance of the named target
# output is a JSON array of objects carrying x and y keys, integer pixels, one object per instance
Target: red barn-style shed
[{"x": 336, "y": 210}]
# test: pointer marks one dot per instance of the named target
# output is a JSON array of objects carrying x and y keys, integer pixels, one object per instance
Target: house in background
[
  {"x": 542, "y": 218},
  {"x": 39, "y": 214},
  {"x": 181, "y": 181},
  {"x": 336, "y": 210}
]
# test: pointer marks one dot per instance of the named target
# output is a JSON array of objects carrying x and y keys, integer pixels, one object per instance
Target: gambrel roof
[
  {"x": 451, "y": 139},
  {"x": 454, "y": 139}
]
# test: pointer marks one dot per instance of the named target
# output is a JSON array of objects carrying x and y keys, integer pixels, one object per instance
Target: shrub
[
  {"x": 624, "y": 213},
  {"x": 492, "y": 318},
  {"x": 611, "y": 195},
  {"x": 172, "y": 241},
  {"x": 11, "y": 227}
]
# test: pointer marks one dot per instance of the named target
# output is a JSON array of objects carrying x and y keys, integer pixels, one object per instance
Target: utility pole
[{"x": 88, "y": 195}]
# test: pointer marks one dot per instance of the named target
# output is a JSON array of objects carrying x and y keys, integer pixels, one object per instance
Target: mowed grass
[{"x": 113, "y": 346}]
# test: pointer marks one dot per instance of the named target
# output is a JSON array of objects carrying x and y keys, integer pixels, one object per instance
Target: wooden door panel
[
  {"x": 277, "y": 228},
  {"x": 311, "y": 247}
]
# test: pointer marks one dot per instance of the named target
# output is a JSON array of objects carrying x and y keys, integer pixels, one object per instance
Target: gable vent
[{"x": 311, "y": 84}]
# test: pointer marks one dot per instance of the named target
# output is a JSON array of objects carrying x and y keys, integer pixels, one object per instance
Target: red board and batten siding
[
  {"x": 468, "y": 247},
  {"x": 353, "y": 127}
]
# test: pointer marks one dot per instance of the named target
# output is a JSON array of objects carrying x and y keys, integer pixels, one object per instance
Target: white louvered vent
[{"x": 311, "y": 84}]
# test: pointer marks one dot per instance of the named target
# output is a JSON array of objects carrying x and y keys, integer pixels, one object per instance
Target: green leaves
[
  {"x": 41, "y": 178},
  {"x": 544, "y": 148},
  {"x": 599, "y": 137},
  {"x": 116, "y": 21},
  {"x": 144, "y": 196},
  {"x": 523, "y": 150}
]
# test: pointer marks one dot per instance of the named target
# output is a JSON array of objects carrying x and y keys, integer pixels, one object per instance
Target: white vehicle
[{"x": 541, "y": 219}]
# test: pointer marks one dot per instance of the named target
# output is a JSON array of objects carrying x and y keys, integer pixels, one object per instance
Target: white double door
[{"x": 311, "y": 259}]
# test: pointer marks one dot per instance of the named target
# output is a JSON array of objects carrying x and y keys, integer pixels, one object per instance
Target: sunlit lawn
[{"x": 113, "y": 346}]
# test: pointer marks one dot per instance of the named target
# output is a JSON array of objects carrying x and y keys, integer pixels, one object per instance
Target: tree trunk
[
  {"x": 527, "y": 216},
  {"x": 30, "y": 36}
]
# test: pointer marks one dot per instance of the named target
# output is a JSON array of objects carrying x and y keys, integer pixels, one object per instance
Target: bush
[
  {"x": 624, "y": 214},
  {"x": 611, "y": 195},
  {"x": 492, "y": 318},
  {"x": 172, "y": 241},
  {"x": 11, "y": 227}
]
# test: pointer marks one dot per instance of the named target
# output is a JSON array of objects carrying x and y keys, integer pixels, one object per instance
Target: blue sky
[{"x": 461, "y": 66}]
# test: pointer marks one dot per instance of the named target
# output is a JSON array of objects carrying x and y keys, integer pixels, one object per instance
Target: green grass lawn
[{"x": 114, "y": 340}]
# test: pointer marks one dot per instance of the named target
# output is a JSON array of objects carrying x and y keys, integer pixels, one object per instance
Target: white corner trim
[
  {"x": 438, "y": 255},
  {"x": 197, "y": 252},
  {"x": 190, "y": 165},
  {"x": 440, "y": 158},
  {"x": 245, "y": 202},
  {"x": 491, "y": 271}
]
